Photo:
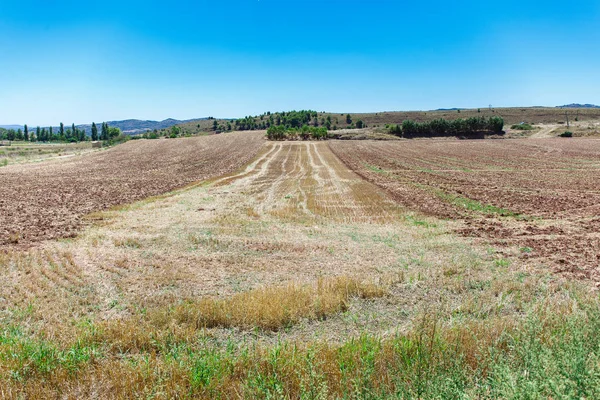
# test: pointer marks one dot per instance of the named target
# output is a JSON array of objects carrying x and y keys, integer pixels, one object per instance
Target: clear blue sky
[{"x": 77, "y": 61}]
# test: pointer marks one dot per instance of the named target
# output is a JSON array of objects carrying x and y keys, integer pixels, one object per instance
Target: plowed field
[
  {"x": 542, "y": 195},
  {"x": 45, "y": 201}
]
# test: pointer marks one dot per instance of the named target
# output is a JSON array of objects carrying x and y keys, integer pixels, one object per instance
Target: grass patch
[
  {"x": 474, "y": 205},
  {"x": 128, "y": 243},
  {"x": 376, "y": 169},
  {"x": 553, "y": 352},
  {"x": 274, "y": 308}
]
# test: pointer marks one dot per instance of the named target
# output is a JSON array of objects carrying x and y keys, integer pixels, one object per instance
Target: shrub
[
  {"x": 395, "y": 129},
  {"x": 522, "y": 127},
  {"x": 566, "y": 134}
]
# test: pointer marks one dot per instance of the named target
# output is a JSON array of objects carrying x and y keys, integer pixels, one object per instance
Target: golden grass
[{"x": 273, "y": 308}]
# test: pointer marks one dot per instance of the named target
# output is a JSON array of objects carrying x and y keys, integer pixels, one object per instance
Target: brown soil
[
  {"x": 551, "y": 185},
  {"x": 47, "y": 200}
]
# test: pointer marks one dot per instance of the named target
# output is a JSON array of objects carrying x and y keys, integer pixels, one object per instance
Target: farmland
[
  {"x": 25, "y": 152},
  {"x": 43, "y": 201},
  {"x": 540, "y": 195},
  {"x": 231, "y": 266}
]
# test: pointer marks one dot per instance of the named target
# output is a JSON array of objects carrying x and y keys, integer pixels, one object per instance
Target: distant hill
[
  {"x": 576, "y": 105},
  {"x": 15, "y": 127}
]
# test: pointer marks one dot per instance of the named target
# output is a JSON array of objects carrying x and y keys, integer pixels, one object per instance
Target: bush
[
  {"x": 566, "y": 134},
  {"x": 395, "y": 130},
  {"x": 522, "y": 127}
]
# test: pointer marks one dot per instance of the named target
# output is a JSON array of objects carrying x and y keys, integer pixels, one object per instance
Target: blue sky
[{"x": 79, "y": 62}]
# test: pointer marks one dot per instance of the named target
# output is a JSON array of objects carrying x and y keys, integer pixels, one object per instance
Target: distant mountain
[
  {"x": 576, "y": 105},
  {"x": 15, "y": 127},
  {"x": 135, "y": 126}
]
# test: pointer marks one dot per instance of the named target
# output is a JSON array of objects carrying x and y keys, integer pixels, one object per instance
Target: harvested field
[
  {"x": 287, "y": 272},
  {"x": 47, "y": 200},
  {"x": 540, "y": 195}
]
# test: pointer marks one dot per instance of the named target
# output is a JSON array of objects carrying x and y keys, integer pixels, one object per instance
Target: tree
[
  {"x": 38, "y": 131},
  {"x": 215, "y": 125},
  {"x": 113, "y": 132},
  {"x": 61, "y": 131},
  {"x": 104, "y": 134},
  {"x": 25, "y": 133},
  {"x": 82, "y": 135},
  {"x": 94, "y": 132},
  {"x": 348, "y": 119},
  {"x": 359, "y": 124},
  {"x": 51, "y": 134}
]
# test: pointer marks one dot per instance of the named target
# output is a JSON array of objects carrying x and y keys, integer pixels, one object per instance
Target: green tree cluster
[
  {"x": 305, "y": 132},
  {"x": 288, "y": 119}
]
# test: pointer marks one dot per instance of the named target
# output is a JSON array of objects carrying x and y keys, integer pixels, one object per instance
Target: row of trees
[
  {"x": 61, "y": 134},
  {"x": 49, "y": 134},
  {"x": 443, "y": 127},
  {"x": 303, "y": 133}
]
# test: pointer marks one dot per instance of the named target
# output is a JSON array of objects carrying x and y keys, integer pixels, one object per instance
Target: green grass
[
  {"x": 554, "y": 352},
  {"x": 474, "y": 205},
  {"x": 376, "y": 169}
]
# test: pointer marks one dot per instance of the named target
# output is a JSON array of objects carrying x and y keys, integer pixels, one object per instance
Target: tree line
[
  {"x": 443, "y": 127},
  {"x": 290, "y": 119},
  {"x": 68, "y": 135},
  {"x": 280, "y": 132}
]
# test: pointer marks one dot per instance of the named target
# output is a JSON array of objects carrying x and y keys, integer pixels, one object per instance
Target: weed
[{"x": 129, "y": 243}]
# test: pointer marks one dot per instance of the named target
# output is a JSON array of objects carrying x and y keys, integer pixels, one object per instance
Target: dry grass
[{"x": 273, "y": 308}]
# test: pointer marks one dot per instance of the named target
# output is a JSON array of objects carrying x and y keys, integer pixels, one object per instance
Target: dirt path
[{"x": 546, "y": 131}]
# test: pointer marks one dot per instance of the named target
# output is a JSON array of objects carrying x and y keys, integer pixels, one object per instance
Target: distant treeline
[
  {"x": 69, "y": 135},
  {"x": 305, "y": 132},
  {"x": 295, "y": 119},
  {"x": 443, "y": 127}
]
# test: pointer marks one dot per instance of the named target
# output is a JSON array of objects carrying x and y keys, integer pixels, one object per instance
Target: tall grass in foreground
[{"x": 552, "y": 353}]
